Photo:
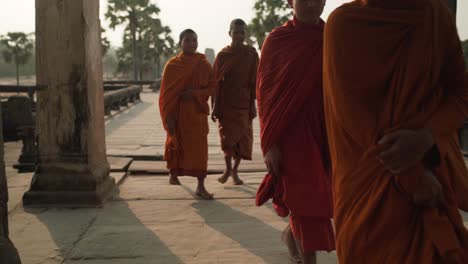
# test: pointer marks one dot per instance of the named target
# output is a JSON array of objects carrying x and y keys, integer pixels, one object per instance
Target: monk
[
  {"x": 293, "y": 137},
  {"x": 187, "y": 83},
  {"x": 396, "y": 92},
  {"x": 234, "y": 103}
]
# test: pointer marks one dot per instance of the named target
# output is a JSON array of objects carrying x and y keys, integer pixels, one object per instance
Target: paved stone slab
[
  {"x": 158, "y": 188},
  {"x": 138, "y": 132},
  {"x": 214, "y": 167},
  {"x": 18, "y": 184},
  {"x": 118, "y": 176},
  {"x": 119, "y": 164},
  {"x": 48, "y": 235},
  {"x": 137, "y": 227}
]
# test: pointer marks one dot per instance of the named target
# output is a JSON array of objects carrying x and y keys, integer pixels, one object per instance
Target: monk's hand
[
  {"x": 273, "y": 160},
  {"x": 404, "y": 149},
  {"x": 186, "y": 94},
  {"x": 429, "y": 193}
]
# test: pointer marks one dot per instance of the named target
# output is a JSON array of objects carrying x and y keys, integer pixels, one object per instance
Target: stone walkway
[
  {"x": 137, "y": 133},
  {"x": 147, "y": 220}
]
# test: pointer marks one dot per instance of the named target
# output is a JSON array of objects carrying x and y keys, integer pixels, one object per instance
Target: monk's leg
[
  {"x": 288, "y": 239},
  {"x": 310, "y": 258},
  {"x": 201, "y": 189},
  {"x": 228, "y": 171},
  {"x": 235, "y": 175},
  {"x": 174, "y": 178}
]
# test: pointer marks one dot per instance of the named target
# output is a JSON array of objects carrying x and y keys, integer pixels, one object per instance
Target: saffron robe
[
  {"x": 186, "y": 152},
  {"x": 391, "y": 65},
  {"x": 236, "y": 71},
  {"x": 289, "y": 94}
]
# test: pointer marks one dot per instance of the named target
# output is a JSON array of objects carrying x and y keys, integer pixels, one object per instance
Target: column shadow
[
  {"x": 111, "y": 234},
  {"x": 254, "y": 235}
]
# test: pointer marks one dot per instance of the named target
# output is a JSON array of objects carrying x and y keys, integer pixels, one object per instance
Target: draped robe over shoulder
[
  {"x": 186, "y": 152},
  {"x": 236, "y": 70},
  {"x": 289, "y": 95},
  {"x": 391, "y": 65}
]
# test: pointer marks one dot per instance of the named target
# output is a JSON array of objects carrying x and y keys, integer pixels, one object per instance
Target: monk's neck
[
  {"x": 309, "y": 21},
  {"x": 236, "y": 45},
  {"x": 188, "y": 54}
]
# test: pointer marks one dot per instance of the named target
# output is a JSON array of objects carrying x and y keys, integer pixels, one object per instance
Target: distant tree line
[{"x": 147, "y": 42}]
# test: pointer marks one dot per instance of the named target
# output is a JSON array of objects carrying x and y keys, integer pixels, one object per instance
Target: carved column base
[{"x": 68, "y": 185}]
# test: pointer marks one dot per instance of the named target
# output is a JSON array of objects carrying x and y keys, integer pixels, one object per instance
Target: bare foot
[
  {"x": 204, "y": 194},
  {"x": 173, "y": 180},
  {"x": 223, "y": 179},
  {"x": 236, "y": 179},
  {"x": 288, "y": 239}
]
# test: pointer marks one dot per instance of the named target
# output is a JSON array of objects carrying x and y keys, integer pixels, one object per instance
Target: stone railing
[
  {"x": 154, "y": 84},
  {"x": 19, "y": 124},
  {"x": 13, "y": 89},
  {"x": 114, "y": 100},
  {"x": 30, "y": 90},
  {"x": 19, "y": 120}
]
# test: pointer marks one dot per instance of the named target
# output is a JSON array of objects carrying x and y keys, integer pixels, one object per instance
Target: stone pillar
[
  {"x": 72, "y": 166},
  {"x": 8, "y": 252}
]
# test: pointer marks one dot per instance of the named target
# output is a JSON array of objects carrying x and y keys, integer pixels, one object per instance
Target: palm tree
[
  {"x": 268, "y": 15},
  {"x": 18, "y": 49},
  {"x": 131, "y": 13}
]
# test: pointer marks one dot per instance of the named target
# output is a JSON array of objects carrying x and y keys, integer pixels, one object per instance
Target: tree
[
  {"x": 18, "y": 49},
  {"x": 268, "y": 15},
  {"x": 132, "y": 14},
  {"x": 105, "y": 43}
]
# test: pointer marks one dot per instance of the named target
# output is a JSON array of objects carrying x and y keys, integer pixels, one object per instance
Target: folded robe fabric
[
  {"x": 289, "y": 95},
  {"x": 391, "y": 65},
  {"x": 236, "y": 70}
]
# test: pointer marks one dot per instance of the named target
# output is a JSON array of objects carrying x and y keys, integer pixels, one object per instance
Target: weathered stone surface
[
  {"x": 163, "y": 225},
  {"x": 214, "y": 167},
  {"x": 138, "y": 133},
  {"x": 72, "y": 168}
]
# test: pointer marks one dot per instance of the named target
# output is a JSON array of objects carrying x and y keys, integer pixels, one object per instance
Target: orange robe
[
  {"x": 290, "y": 109},
  {"x": 395, "y": 64},
  {"x": 236, "y": 71},
  {"x": 186, "y": 152}
]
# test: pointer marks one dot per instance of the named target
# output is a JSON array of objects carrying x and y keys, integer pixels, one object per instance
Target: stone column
[
  {"x": 72, "y": 166},
  {"x": 8, "y": 252}
]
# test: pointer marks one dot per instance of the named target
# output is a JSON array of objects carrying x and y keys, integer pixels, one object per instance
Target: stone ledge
[{"x": 70, "y": 199}]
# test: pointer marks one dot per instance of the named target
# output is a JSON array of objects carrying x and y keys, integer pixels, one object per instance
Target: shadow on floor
[
  {"x": 112, "y": 234},
  {"x": 251, "y": 190},
  {"x": 254, "y": 235}
]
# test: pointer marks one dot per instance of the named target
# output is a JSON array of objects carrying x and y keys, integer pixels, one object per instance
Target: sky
[{"x": 209, "y": 18}]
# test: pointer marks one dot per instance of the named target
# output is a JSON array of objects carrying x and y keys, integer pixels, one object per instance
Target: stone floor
[
  {"x": 147, "y": 220},
  {"x": 138, "y": 131}
]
